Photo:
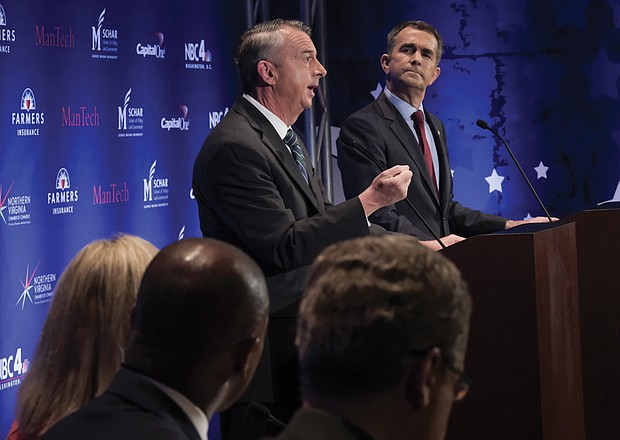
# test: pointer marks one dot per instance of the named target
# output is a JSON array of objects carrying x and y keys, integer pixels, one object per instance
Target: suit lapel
[
  {"x": 272, "y": 141},
  {"x": 445, "y": 174},
  {"x": 408, "y": 142}
]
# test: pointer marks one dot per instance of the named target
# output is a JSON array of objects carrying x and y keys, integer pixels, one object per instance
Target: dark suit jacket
[
  {"x": 251, "y": 194},
  {"x": 380, "y": 129},
  {"x": 311, "y": 424},
  {"x": 132, "y": 408}
]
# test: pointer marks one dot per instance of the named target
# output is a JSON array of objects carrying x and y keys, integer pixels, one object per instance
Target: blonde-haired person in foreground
[{"x": 84, "y": 335}]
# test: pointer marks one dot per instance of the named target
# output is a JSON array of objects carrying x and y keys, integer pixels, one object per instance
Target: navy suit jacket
[
  {"x": 132, "y": 408},
  {"x": 380, "y": 129}
]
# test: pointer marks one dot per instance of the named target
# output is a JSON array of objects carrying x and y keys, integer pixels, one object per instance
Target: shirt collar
[
  {"x": 277, "y": 123},
  {"x": 403, "y": 107},
  {"x": 194, "y": 414}
]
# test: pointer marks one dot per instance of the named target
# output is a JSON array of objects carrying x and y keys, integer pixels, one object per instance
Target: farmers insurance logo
[
  {"x": 7, "y": 35},
  {"x": 130, "y": 119},
  {"x": 104, "y": 40},
  {"x": 63, "y": 199},
  {"x": 180, "y": 123},
  {"x": 155, "y": 190},
  {"x": 152, "y": 50},
  {"x": 36, "y": 289},
  {"x": 13, "y": 208},
  {"x": 28, "y": 119},
  {"x": 12, "y": 369},
  {"x": 197, "y": 57}
]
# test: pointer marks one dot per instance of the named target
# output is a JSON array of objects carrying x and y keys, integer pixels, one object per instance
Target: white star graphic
[
  {"x": 527, "y": 217},
  {"x": 541, "y": 170},
  {"x": 495, "y": 181},
  {"x": 376, "y": 92}
]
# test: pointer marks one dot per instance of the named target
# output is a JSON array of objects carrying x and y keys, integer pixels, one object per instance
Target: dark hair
[
  {"x": 262, "y": 42},
  {"x": 415, "y": 24},
  {"x": 369, "y": 302},
  {"x": 197, "y": 296}
]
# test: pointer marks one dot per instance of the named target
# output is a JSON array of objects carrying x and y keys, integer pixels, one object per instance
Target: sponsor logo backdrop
[{"x": 103, "y": 107}]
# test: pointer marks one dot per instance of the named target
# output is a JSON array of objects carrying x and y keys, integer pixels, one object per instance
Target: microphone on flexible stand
[
  {"x": 262, "y": 412},
  {"x": 413, "y": 208},
  {"x": 482, "y": 124}
]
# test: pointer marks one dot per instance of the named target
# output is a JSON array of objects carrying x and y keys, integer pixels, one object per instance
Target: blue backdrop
[{"x": 104, "y": 105}]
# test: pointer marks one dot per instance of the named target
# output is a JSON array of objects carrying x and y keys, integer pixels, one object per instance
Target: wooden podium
[
  {"x": 524, "y": 352},
  {"x": 598, "y": 256}
]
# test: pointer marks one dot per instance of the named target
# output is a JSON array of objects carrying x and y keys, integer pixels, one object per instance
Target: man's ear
[
  {"x": 249, "y": 350},
  {"x": 385, "y": 63},
  {"x": 422, "y": 379},
  {"x": 266, "y": 72}
]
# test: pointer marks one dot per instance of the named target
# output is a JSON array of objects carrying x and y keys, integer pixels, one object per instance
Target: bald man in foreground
[{"x": 198, "y": 331}]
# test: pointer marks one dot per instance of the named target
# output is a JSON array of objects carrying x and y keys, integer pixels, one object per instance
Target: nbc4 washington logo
[{"x": 155, "y": 189}]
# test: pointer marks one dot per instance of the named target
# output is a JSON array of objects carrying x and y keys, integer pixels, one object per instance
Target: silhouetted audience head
[
  {"x": 382, "y": 334},
  {"x": 200, "y": 321},
  {"x": 85, "y": 331}
]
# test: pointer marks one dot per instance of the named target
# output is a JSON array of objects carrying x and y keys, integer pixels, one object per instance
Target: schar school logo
[
  {"x": 36, "y": 289},
  {"x": 12, "y": 370},
  {"x": 155, "y": 190},
  {"x": 180, "y": 123},
  {"x": 130, "y": 119},
  {"x": 104, "y": 41},
  {"x": 216, "y": 117},
  {"x": 28, "y": 117},
  {"x": 7, "y": 35},
  {"x": 62, "y": 200},
  {"x": 197, "y": 57},
  {"x": 152, "y": 50},
  {"x": 56, "y": 38},
  {"x": 14, "y": 209},
  {"x": 111, "y": 194}
]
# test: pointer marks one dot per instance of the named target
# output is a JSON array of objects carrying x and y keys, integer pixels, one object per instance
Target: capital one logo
[
  {"x": 122, "y": 112},
  {"x": 97, "y": 32}
]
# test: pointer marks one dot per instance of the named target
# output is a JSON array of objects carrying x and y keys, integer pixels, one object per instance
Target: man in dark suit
[
  {"x": 256, "y": 189},
  {"x": 382, "y": 333},
  {"x": 391, "y": 132},
  {"x": 197, "y": 335}
]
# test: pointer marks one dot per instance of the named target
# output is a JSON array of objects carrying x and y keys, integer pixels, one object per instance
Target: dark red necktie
[{"x": 418, "y": 118}]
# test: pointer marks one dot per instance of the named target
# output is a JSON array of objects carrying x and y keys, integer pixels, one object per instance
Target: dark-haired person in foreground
[
  {"x": 197, "y": 335},
  {"x": 397, "y": 128},
  {"x": 382, "y": 333}
]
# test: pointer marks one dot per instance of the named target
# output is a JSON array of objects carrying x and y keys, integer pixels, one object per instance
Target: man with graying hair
[
  {"x": 382, "y": 333},
  {"x": 197, "y": 335}
]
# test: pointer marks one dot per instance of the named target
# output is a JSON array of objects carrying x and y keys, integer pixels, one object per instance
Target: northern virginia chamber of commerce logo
[
  {"x": 54, "y": 36},
  {"x": 14, "y": 208},
  {"x": 12, "y": 369},
  {"x": 36, "y": 288},
  {"x": 28, "y": 119},
  {"x": 63, "y": 199},
  {"x": 104, "y": 40},
  {"x": 179, "y": 123},
  {"x": 7, "y": 35},
  {"x": 155, "y": 189},
  {"x": 152, "y": 50},
  {"x": 197, "y": 57},
  {"x": 130, "y": 119}
]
